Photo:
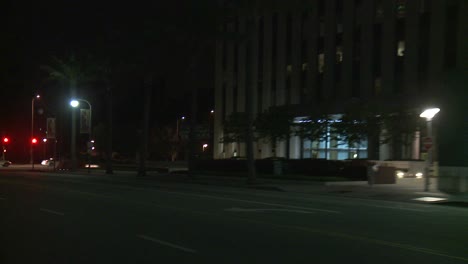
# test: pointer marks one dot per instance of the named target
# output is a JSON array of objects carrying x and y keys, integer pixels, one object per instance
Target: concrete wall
[{"x": 453, "y": 179}]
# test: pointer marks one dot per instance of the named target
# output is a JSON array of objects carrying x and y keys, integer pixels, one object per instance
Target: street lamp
[
  {"x": 177, "y": 126},
  {"x": 75, "y": 103},
  {"x": 31, "y": 153},
  {"x": 428, "y": 114}
]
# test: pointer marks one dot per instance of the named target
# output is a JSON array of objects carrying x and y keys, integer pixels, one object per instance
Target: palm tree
[{"x": 69, "y": 72}]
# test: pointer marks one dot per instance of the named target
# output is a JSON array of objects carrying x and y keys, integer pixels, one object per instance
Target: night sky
[{"x": 133, "y": 39}]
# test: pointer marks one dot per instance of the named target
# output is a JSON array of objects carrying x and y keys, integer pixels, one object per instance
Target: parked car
[{"x": 5, "y": 163}]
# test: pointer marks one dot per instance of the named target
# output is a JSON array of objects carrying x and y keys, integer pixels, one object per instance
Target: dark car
[{"x": 5, "y": 163}]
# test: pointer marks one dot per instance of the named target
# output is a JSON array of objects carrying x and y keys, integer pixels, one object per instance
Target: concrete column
[
  {"x": 367, "y": 46},
  {"x": 436, "y": 45},
  {"x": 241, "y": 81},
  {"x": 296, "y": 59},
  {"x": 415, "y": 152},
  {"x": 267, "y": 60},
  {"x": 385, "y": 149},
  {"x": 294, "y": 147},
  {"x": 218, "y": 89},
  {"x": 281, "y": 60},
  {"x": 281, "y": 149},
  {"x": 255, "y": 69},
  {"x": 411, "y": 47},
  {"x": 230, "y": 78},
  {"x": 389, "y": 49},
  {"x": 328, "y": 88},
  {"x": 348, "y": 41},
  {"x": 312, "y": 34}
]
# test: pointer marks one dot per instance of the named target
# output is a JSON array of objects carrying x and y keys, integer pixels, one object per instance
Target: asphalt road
[{"x": 54, "y": 218}]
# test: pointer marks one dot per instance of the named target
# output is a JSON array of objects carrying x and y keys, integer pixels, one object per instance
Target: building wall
[{"x": 391, "y": 52}]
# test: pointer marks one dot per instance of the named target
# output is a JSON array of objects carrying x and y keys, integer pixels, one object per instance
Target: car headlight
[
  {"x": 419, "y": 175},
  {"x": 400, "y": 174}
]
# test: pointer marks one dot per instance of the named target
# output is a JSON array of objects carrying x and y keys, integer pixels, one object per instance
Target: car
[
  {"x": 48, "y": 162},
  {"x": 5, "y": 163}
]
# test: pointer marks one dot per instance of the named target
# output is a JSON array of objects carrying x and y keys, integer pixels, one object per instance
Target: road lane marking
[
  {"x": 401, "y": 208},
  {"x": 166, "y": 243},
  {"x": 256, "y": 202},
  {"x": 237, "y": 209},
  {"x": 51, "y": 211}
]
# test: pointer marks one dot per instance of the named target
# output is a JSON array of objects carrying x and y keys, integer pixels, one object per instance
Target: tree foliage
[{"x": 235, "y": 128}]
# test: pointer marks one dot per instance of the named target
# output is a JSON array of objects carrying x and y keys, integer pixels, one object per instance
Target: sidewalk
[{"x": 404, "y": 190}]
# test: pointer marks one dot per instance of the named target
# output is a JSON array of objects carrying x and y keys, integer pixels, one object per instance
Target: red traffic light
[
  {"x": 6, "y": 140},
  {"x": 34, "y": 140}
]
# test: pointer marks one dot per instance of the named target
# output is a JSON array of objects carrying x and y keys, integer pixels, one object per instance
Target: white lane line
[
  {"x": 51, "y": 211},
  {"x": 167, "y": 243},
  {"x": 401, "y": 208},
  {"x": 254, "y": 202},
  {"x": 237, "y": 209}
]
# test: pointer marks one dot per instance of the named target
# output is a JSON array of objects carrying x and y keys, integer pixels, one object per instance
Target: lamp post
[
  {"x": 177, "y": 126},
  {"x": 428, "y": 114},
  {"x": 44, "y": 140},
  {"x": 75, "y": 103},
  {"x": 31, "y": 152}
]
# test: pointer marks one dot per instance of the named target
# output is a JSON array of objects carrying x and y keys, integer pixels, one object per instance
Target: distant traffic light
[
  {"x": 34, "y": 140},
  {"x": 6, "y": 140}
]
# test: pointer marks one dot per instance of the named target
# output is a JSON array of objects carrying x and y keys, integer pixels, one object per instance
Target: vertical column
[
  {"x": 328, "y": 88},
  {"x": 436, "y": 45},
  {"x": 312, "y": 46},
  {"x": 281, "y": 60},
  {"x": 388, "y": 47},
  {"x": 296, "y": 58},
  {"x": 241, "y": 80},
  {"x": 411, "y": 47},
  {"x": 415, "y": 151},
  {"x": 348, "y": 30},
  {"x": 294, "y": 147},
  {"x": 367, "y": 45},
  {"x": 267, "y": 59},
  {"x": 230, "y": 78},
  {"x": 263, "y": 150},
  {"x": 218, "y": 118}
]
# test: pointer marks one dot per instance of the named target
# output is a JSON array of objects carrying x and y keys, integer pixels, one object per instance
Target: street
[{"x": 71, "y": 218}]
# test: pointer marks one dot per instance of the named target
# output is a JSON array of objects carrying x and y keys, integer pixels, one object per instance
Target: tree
[
  {"x": 313, "y": 128},
  {"x": 274, "y": 125},
  {"x": 235, "y": 128},
  {"x": 70, "y": 72}
]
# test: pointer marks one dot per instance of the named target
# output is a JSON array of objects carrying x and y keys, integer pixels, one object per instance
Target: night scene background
[{"x": 234, "y": 131}]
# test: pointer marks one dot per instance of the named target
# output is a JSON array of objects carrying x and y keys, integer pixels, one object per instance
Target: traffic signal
[
  {"x": 34, "y": 140},
  {"x": 5, "y": 140}
]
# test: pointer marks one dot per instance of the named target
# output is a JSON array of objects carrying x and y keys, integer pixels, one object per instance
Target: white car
[{"x": 48, "y": 162}]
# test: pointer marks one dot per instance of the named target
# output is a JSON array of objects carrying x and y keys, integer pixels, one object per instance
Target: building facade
[{"x": 394, "y": 53}]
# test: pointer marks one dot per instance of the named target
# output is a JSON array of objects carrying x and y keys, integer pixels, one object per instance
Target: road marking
[
  {"x": 167, "y": 243},
  {"x": 400, "y": 208},
  {"x": 51, "y": 211},
  {"x": 256, "y": 202},
  {"x": 237, "y": 209}
]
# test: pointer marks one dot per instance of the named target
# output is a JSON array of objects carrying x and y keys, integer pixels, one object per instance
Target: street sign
[{"x": 427, "y": 143}]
